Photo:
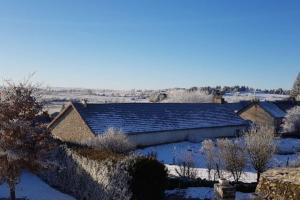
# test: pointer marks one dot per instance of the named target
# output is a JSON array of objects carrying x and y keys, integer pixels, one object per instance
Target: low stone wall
[
  {"x": 86, "y": 179},
  {"x": 280, "y": 184}
]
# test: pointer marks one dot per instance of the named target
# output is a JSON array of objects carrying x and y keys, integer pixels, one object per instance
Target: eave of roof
[{"x": 186, "y": 129}]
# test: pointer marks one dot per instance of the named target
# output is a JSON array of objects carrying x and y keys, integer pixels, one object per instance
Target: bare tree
[
  {"x": 260, "y": 147},
  {"x": 186, "y": 166},
  {"x": 10, "y": 173},
  {"x": 208, "y": 150},
  {"x": 23, "y": 139},
  {"x": 213, "y": 158},
  {"x": 233, "y": 155},
  {"x": 112, "y": 140},
  {"x": 291, "y": 122}
]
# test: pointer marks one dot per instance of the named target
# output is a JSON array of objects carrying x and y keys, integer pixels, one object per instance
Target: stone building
[
  {"x": 267, "y": 113},
  {"x": 263, "y": 114},
  {"x": 148, "y": 123}
]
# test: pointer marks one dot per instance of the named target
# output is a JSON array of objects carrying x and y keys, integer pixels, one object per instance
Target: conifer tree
[{"x": 296, "y": 88}]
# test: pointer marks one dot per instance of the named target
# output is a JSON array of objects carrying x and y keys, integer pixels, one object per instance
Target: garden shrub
[{"x": 149, "y": 179}]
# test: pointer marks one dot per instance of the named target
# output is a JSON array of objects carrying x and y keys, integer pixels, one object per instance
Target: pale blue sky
[{"x": 151, "y": 44}]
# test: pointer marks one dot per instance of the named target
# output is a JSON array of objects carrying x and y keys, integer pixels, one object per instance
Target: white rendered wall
[{"x": 192, "y": 135}]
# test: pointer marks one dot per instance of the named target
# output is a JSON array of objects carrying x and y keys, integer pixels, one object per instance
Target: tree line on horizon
[{"x": 239, "y": 88}]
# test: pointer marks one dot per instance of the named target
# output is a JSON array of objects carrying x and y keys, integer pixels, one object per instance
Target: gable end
[{"x": 70, "y": 127}]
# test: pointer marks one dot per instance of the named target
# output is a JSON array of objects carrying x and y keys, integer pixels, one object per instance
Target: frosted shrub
[
  {"x": 186, "y": 166},
  {"x": 183, "y": 96},
  {"x": 208, "y": 151},
  {"x": 112, "y": 140},
  {"x": 234, "y": 157},
  {"x": 213, "y": 158},
  {"x": 260, "y": 147},
  {"x": 157, "y": 97},
  {"x": 292, "y": 120}
]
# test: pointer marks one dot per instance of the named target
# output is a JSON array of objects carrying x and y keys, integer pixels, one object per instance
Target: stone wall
[
  {"x": 280, "y": 184},
  {"x": 86, "y": 179}
]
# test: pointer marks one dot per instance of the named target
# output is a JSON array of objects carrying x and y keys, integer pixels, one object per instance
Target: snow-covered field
[
  {"x": 236, "y": 97},
  {"x": 56, "y": 97},
  {"x": 203, "y": 193},
  {"x": 168, "y": 153},
  {"x": 33, "y": 188}
]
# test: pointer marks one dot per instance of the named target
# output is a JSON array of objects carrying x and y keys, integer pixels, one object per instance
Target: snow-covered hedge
[{"x": 112, "y": 178}]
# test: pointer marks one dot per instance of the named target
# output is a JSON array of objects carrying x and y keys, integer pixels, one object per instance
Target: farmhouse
[{"x": 148, "y": 123}]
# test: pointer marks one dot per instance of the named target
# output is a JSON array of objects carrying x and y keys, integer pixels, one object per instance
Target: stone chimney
[{"x": 218, "y": 98}]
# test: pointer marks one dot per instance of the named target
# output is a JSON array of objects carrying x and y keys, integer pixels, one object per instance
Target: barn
[
  {"x": 266, "y": 113},
  {"x": 148, "y": 124}
]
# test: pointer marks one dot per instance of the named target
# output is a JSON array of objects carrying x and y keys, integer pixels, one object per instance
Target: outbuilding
[
  {"x": 148, "y": 123},
  {"x": 263, "y": 114}
]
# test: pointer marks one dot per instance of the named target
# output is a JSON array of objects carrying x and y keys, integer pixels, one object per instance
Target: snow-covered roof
[
  {"x": 236, "y": 107},
  {"x": 153, "y": 117},
  {"x": 287, "y": 105},
  {"x": 268, "y": 106},
  {"x": 272, "y": 109}
]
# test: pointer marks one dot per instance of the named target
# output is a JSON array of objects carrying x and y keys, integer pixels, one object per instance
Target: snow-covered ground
[
  {"x": 288, "y": 146},
  {"x": 33, "y": 188},
  {"x": 169, "y": 152},
  {"x": 56, "y": 97},
  {"x": 247, "y": 96},
  {"x": 203, "y": 193}
]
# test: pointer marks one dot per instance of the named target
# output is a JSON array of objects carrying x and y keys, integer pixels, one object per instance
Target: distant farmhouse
[{"x": 149, "y": 123}]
